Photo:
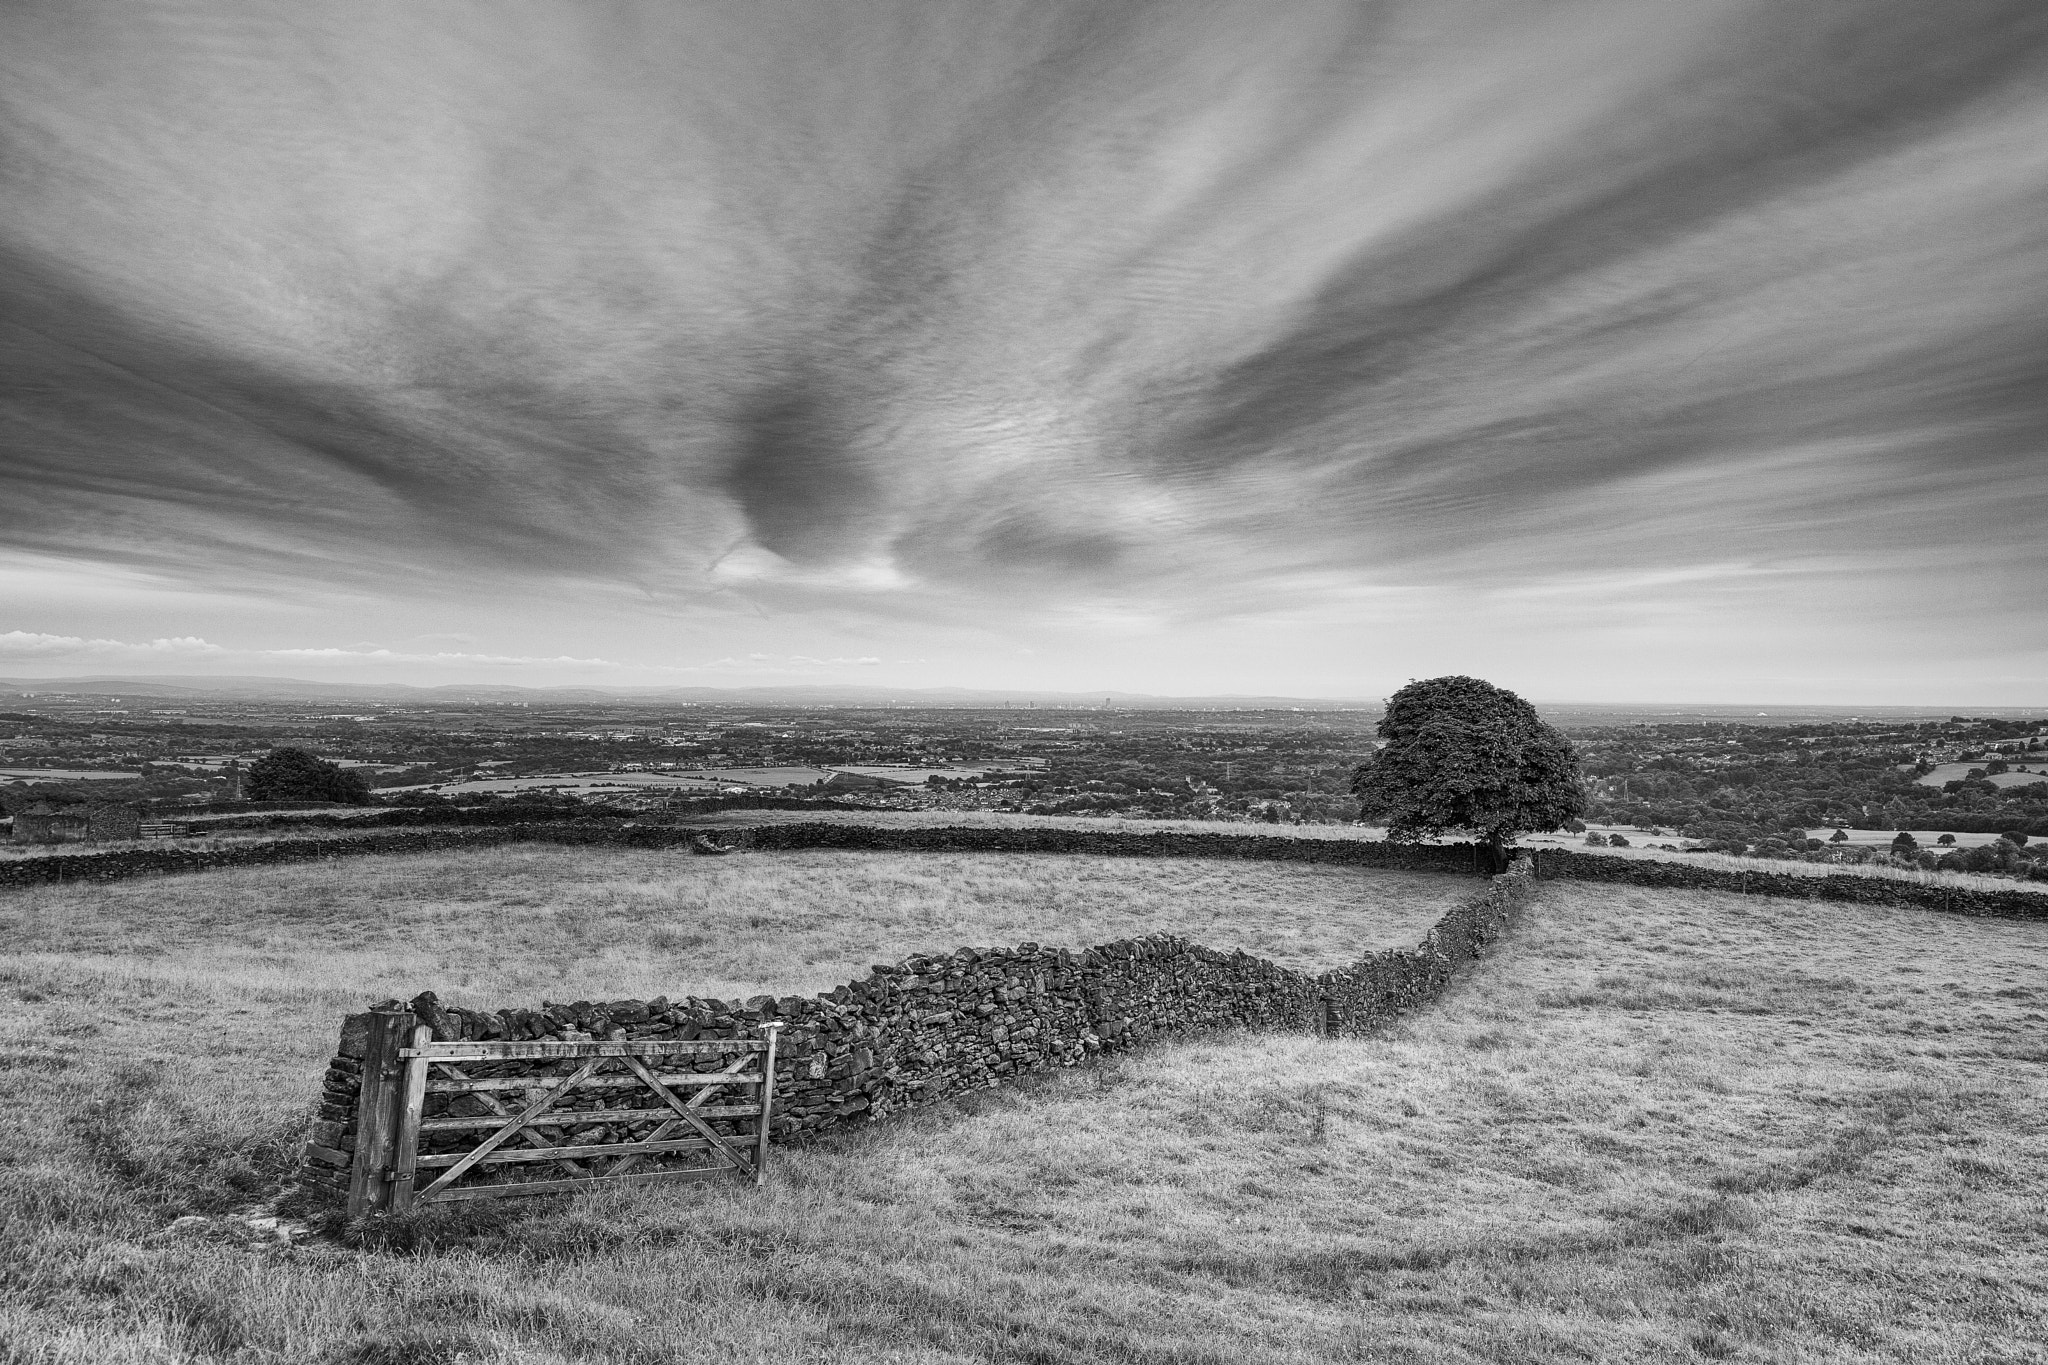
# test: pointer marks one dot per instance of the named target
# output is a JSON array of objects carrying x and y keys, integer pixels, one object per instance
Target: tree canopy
[
  {"x": 287, "y": 774},
  {"x": 1462, "y": 755}
]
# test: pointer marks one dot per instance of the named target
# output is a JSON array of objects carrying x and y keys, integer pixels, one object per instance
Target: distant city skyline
[{"x": 1610, "y": 350}]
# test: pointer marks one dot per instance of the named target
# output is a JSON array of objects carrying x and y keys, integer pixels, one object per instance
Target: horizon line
[{"x": 249, "y": 682}]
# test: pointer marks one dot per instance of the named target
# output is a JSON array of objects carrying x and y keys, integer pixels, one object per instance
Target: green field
[{"x": 1652, "y": 1126}]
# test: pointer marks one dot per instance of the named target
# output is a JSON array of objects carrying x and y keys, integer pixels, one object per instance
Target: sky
[{"x": 1606, "y": 349}]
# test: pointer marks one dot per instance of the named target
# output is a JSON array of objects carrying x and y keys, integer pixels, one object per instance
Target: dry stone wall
[
  {"x": 1850, "y": 887},
  {"x": 118, "y": 864},
  {"x": 1114, "y": 843},
  {"x": 930, "y": 1026},
  {"x": 115, "y": 864}
]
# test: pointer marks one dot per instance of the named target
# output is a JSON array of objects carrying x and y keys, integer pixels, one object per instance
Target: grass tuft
[
  {"x": 204, "y": 1320},
  {"x": 411, "y": 1348}
]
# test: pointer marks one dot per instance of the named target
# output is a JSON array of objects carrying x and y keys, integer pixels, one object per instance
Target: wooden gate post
[
  {"x": 412, "y": 1102},
  {"x": 774, "y": 1031},
  {"x": 378, "y": 1111}
]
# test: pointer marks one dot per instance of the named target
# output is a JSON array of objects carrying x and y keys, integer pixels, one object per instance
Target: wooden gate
[{"x": 429, "y": 1131}]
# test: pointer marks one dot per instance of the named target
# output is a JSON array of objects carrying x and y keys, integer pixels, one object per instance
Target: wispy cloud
[{"x": 976, "y": 314}]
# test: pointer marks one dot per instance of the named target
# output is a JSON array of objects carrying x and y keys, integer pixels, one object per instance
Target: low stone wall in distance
[
  {"x": 116, "y": 864},
  {"x": 1850, "y": 887},
  {"x": 1551, "y": 863},
  {"x": 931, "y": 1026},
  {"x": 1158, "y": 843}
]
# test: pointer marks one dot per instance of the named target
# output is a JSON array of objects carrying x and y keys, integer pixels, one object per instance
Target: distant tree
[
  {"x": 1946, "y": 840},
  {"x": 1840, "y": 836},
  {"x": 287, "y": 774},
  {"x": 1464, "y": 755},
  {"x": 1995, "y": 767},
  {"x": 1904, "y": 842},
  {"x": 2016, "y": 838},
  {"x": 1617, "y": 841}
]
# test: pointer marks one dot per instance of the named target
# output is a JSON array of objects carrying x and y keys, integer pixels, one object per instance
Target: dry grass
[
  {"x": 510, "y": 925},
  {"x": 1656, "y": 1126}
]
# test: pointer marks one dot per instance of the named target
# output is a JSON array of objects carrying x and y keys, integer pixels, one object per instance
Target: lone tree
[
  {"x": 1463, "y": 755},
  {"x": 288, "y": 774}
]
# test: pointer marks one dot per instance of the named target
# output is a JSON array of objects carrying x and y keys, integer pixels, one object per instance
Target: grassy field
[
  {"x": 2024, "y": 770},
  {"x": 1654, "y": 1126},
  {"x": 510, "y": 925}
]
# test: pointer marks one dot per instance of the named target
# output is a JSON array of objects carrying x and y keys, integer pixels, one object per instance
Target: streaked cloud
[{"x": 955, "y": 330}]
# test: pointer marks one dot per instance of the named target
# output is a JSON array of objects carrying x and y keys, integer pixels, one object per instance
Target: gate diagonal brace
[
  {"x": 526, "y": 1135},
  {"x": 524, "y": 1117},
  {"x": 683, "y": 1115}
]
